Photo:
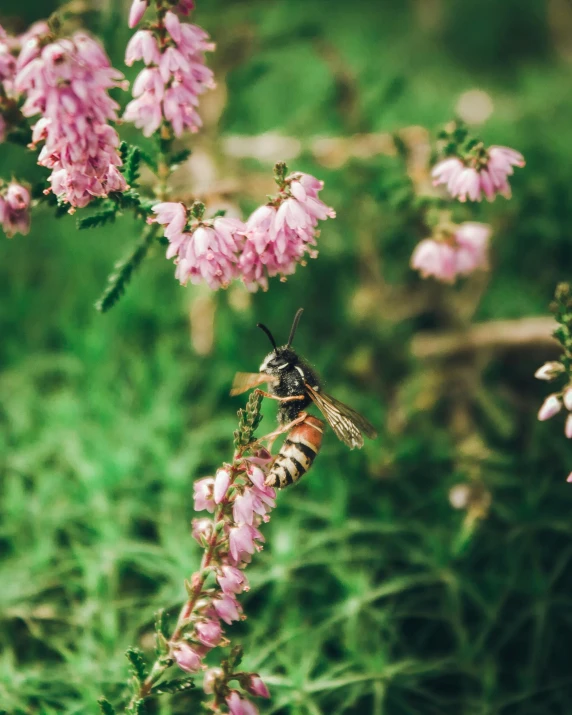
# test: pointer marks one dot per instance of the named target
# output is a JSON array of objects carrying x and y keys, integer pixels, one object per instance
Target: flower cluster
[
  {"x": 14, "y": 209},
  {"x": 272, "y": 242},
  {"x": 280, "y": 234},
  {"x": 67, "y": 83},
  {"x": 240, "y": 501},
  {"x": 453, "y": 251},
  {"x": 483, "y": 171},
  {"x": 562, "y": 368},
  {"x": 175, "y": 74}
]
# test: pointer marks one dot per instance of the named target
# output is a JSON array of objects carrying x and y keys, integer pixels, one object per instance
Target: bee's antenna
[
  {"x": 294, "y": 326},
  {"x": 263, "y": 327}
]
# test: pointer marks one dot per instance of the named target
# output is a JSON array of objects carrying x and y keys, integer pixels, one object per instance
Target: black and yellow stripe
[{"x": 295, "y": 457}]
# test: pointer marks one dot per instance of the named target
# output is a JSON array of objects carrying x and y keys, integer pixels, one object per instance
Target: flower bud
[
  {"x": 256, "y": 686},
  {"x": 549, "y": 370},
  {"x": 256, "y": 476},
  {"x": 209, "y": 633},
  {"x": 187, "y": 657},
  {"x": 569, "y": 477},
  {"x": 222, "y": 481},
  {"x": 210, "y": 678},
  {"x": 226, "y": 608},
  {"x": 567, "y": 398},
  {"x": 203, "y": 494},
  {"x": 568, "y": 427},
  {"x": 137, "y": 11},
  {"x": 202, "y": 530},
  {"x": 240, "y": 706},
  {"x": 550, "y": 407}
]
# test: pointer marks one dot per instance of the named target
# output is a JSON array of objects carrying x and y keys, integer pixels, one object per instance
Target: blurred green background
[{"x": 373, "y": 594}]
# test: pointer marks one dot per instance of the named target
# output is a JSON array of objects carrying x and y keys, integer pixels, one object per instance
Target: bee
[{"x": 296, "y": 386}]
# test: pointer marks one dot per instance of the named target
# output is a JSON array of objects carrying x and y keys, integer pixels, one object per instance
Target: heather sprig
[
  {"x": 560, "y": 370},
  {"x": 469, "y": 169},
  {"x": 239, "y": 502}
]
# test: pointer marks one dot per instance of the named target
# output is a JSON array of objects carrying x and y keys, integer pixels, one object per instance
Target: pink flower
[
  {"x": 203, "y": 494},
  {"x": 242, "y": 510},
  {"x": 185, "y": 6},
  {"x": 169, "y": 89},
  {"x": 232, "y": 580},
  {"x": 569, "y": 478},
  {"x": 460, "y": 252},
  {"x": 256, "y": 476},
  {"x": 222, "y": 481},
  {"x": 242, "y": 542},
  {"x": 472, "y": 241},
  {"x": 142, "y": 46},
  {"x": 550, "y": 407},
  {"x": 137, "y": 11},
  {"x": 280, "y": 235},
  {"x": 208, "y": 253},
  {"x": 67, "y": 82},
  {"x": 202, "y": 530},
  {"x": 210, "y": 678},
  {"x": 549, "y": 371},
  {"x": 486, "y": 174},
  {"x": 256, "y": 686},
  {"x": 14, "y": 210},
  {"x": 567, "y": 398},
  {"x": 209, "y": 633},
  {"x": 227, "y": 608},
  {"x": 187, "y": 657},
  {"x": 435, "y": 258},
  {"x": 568, "y": 427},
  {"x": 240, "y": 706}
]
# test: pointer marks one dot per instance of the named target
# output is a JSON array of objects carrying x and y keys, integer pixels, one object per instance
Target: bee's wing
[
  {"x": 347, "y": 424},
  {"x": 244, "y": 381}
]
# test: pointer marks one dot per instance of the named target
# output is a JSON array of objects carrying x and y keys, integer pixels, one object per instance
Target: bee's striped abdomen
[{"x": 297, "y": 453}]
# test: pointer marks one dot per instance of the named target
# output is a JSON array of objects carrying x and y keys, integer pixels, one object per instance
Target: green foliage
[
  {"x": 98, "y": 219},
  {"x": 180, "y": 685},
  {"x": 248, "y": 420},
  {"x": 123, "y": 271},
  {"x": 106, "y": 707},
  {"x": 138, "y": 665}
]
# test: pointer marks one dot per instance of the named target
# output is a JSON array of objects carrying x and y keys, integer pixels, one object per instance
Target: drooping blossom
[
  {"x": 67, "y": 83},
  {"x": 205, "y": 251},
  {"x": 168, "y": 89},
  {"x": 549, "y": 371},
  {"x": 138, "y": 8},
  {"x": 238, "y": 705},
  {"x": 14, "y": 209},
  {"x": 485, "y": 172},
  {"x": 550, "y": 407},
  {"x": 453, "y": 252},
  {"x": 228, "y": 549},
  {"x": 282, "y": 233}
]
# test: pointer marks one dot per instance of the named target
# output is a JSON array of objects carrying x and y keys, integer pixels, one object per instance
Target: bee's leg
[
  {"x": 280, "y": 399},
  {"x": 285, "y": 428}
]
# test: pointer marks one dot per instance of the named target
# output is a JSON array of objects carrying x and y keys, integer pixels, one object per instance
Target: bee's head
[{"x": 281, "y": 358}]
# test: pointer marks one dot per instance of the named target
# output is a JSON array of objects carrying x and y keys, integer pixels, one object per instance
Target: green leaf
[
  {"x": 179, "y": 157},
  {"x": 173, "y": 686},
  {"x": 148, "y": 159},
  {"x": 106, "y": 707},
  {"x": 138, "y": 665},
  {"x": 161, "y": 624},
  {"x": 124, "y": 269},
  {"x": 132, "y": 166},
  {"x": 98, "y": 219}
]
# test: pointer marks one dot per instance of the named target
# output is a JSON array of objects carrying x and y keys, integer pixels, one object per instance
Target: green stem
[
  {"x": 160, "y": 666},
  {"x": 124, "y": 269}
]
